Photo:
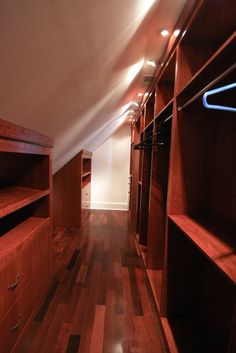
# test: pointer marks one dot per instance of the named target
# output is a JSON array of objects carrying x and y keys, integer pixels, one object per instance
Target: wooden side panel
[
  {"x": 67, "y": 194},
  {"x": 144, "y": 206}
]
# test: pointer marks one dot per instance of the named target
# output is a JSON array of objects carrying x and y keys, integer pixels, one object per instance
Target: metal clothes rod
[{"x": 212, "y": 83}]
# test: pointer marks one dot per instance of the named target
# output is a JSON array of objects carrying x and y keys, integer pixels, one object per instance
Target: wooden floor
[{"x": 100, "y": 299}]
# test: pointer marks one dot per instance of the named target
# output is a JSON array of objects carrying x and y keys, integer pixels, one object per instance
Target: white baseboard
[{"x": 116, "y": 206}]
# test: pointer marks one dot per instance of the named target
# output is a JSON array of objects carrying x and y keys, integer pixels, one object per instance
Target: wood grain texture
[
  {"x": 68, "y": 183},
  {"x": 108, "y": 307},
  {"x": 16, "y": 197},
  {"x": 14, "y": 132},
  {"x": 144, "y": 202}
]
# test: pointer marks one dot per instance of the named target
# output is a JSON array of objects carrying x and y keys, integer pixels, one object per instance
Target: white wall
[{"x": 110, "y": 172}]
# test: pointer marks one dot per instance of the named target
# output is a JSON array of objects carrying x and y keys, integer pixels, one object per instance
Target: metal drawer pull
[
  {"x": 14, "y": 328},
  {"x": 15, "y": 284}
]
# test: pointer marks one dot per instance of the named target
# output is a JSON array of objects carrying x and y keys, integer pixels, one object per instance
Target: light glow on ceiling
[
  {"x": 125, "y": 108},
  {"x": 133, "y": 71},
  {"x": 144, "y": 6}
]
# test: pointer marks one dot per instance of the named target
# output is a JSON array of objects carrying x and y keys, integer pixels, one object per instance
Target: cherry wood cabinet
[
  {"x": 71, "y": 185},
  {"x": 189, "y": 248},
  {"x": 25, "y": 227}
]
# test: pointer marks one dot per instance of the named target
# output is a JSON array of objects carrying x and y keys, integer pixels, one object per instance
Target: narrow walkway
[{"x": 100, "y": 299}]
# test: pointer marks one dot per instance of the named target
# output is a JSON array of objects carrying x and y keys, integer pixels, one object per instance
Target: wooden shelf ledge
[
  {"x": 15, "y": 197},
  {"x": 213, "y": 241},
  {"x": 21, "y": 233},
  {"x": 86, "y": 174}
]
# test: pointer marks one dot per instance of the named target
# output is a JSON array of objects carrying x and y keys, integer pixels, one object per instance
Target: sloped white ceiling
[{"x": 64, "y": 64}]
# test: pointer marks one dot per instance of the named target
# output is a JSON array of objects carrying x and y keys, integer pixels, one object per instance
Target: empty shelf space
[
  {"x": 215, "y": 242},
  {"x": 15, "y": 197}
]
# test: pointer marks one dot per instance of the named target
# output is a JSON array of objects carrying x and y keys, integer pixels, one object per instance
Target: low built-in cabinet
[
  {"x": 71, "y": 185},
  {"x": 188, "y": 242},
  {"x": 25, "y": 228}
]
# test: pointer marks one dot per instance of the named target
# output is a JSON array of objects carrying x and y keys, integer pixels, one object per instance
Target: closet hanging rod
[
  {"x": 143, "y": 146},
  {"x": 158, "y": 130},
  {"x": 168, "y": 118},
  {"x": 206, "y": 88}
]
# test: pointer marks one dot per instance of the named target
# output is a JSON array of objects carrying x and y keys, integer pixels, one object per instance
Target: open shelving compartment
[
  {"x": 165, "y": 85},
  {"x": 200, "y": 301},
  {"x": 134, "y": 169},
  {"x": 24, "y": 189},
  {"x": 158, "y": 200},
  {"x": 209, "y": 29},
  {"x": 145, "y": 168},
  {"x": 149, "y": 109}
]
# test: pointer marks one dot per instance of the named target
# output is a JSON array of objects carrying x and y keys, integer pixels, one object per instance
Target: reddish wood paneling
[{"x": 67, "y": 185}]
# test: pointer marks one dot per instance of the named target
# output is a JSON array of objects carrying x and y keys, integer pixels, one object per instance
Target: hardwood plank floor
[{"x": 99, "y": 300}]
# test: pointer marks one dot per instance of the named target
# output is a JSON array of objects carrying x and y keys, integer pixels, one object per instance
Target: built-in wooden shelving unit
[
  {"x": 25, "y": 228},
  {"x": 188, "y": 174}
]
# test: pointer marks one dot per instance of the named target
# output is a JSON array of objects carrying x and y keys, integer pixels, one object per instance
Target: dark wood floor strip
[
  {"x": 137, "y": 305},
  {"x": 73, "y": 344},
  {"x": 43, "y": 310},
  {"x": 73, "y": 259}
]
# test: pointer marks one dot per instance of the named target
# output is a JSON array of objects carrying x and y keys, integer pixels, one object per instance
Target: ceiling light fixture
[
  {"x": 165, "y": 33},
  {"x": 140, "y": 94},
  {"x": 151, "y": 63},
  {"x": 176, "y": 32}
]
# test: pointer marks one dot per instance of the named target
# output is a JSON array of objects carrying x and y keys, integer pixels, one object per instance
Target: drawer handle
[
  {"x": 15, "y": 284},
  {"x": 15, "y": 328}
]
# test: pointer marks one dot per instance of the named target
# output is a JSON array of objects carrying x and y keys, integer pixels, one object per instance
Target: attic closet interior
[{"x": 182, "y": 204}]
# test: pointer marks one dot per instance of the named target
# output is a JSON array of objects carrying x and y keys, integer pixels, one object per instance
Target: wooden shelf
[
  {"x": 220, "y": 61},
  {"x": 15, "y": 197},
  {"x": 20, "y": 233},
  {"x": 210, "y": 241},
  {"x": 155, "y": 279},
  {"x": 86, "y": 174}
]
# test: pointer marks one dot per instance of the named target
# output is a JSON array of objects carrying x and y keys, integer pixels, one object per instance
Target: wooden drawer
[
  {"x": 14, "y": 322},
  {"x": 21, "y": 264}
]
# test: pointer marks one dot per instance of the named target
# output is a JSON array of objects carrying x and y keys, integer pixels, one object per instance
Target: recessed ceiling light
[
  {"x": 176, "y": 32},
  {"x": 140, "y": 94},
  {"x": 151, "y": 63},
  {"x": 131, "y": 112},
  {"x": 165, "y": 33}
]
